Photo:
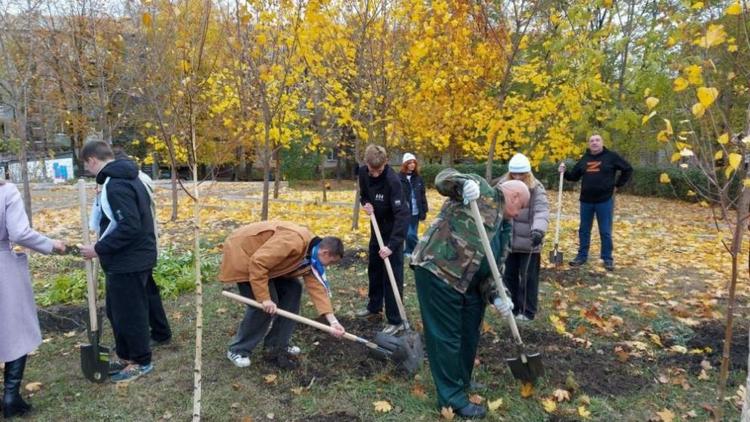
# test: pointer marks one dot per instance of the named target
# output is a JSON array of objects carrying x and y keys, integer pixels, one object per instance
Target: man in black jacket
[
  {"x": 381, "y": 193},
  {"x": 597, "y": 170},
  {"x": 127, "y": 251}
]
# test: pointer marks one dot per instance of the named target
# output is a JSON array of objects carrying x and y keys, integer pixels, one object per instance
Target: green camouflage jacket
[{"x": 452, "y": 248}]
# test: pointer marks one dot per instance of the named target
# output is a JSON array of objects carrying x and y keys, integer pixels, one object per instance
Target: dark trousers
[
  {"x": 286, "y": 293},
  {"x": 128, "y": 312},
  {"x": 412, "y": 236},
  {"x": 451, "y": 330},
  {"x": 522, "y": 278},
  {"x": 604, "y": 213},
  {"x": 380, "y": 285},
  {"x": 157, "y": 318}
]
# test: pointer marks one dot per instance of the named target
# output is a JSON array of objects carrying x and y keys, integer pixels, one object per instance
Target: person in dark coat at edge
[
  {"x": 381, "y": 193},
  {"x": 161, "y": 332},
  {"x": 597, "y": 171},
  {"x": 416, "y": 197},
  {"x": 127, "y": 251},
  {"x": 19, "y": 325}
]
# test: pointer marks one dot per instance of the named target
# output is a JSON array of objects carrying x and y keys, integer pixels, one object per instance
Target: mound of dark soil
[
  {"x": 596, "y": 373},
  {"x": 331, "y": 417},
  {"x": 711, "y": 334}
]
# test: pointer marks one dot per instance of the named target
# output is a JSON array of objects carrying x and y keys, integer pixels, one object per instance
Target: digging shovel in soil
[
  {"x": 396, "y": 351},
  {"x": 94, "y": 358},
  {"x": 527, "y": 366},
  {"x": 410, "y": 339}
]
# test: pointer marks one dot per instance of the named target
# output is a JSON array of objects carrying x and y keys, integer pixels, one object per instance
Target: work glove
[
  {"x": 470, "y": 191},
  {"x": 505, "y": 307},
  {"x": 536, "y": 238}
]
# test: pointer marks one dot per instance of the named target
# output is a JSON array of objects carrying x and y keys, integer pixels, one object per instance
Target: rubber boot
[{"x": 13, "y": 404}]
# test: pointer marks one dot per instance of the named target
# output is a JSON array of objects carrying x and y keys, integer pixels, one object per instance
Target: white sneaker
[
  {"x": 238, "y": 360},
  {"x": 522, "y": 318},
  {"x": 293, "y": 350},
  {"x": 393, "y": 329}
]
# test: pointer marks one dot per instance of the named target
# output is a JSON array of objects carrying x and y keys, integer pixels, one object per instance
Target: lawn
[{"x": 642, "y": 343}]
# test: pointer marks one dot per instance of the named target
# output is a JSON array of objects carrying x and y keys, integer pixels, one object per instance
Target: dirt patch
[
  {"x": 352, "y": 257},
  {"x": 711, "y": 334},
  {"x": 596, "y": 373},
  {"x": 62, "y": 318},
  {"x": 327, "y": 359},
  {"x": 331, "y": 417}
]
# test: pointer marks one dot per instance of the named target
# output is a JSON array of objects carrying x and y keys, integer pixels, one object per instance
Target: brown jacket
[{"x": 261, "y": 251}]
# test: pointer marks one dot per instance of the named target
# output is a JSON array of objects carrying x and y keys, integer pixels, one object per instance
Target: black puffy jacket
[{"x": 417, "y": 185}]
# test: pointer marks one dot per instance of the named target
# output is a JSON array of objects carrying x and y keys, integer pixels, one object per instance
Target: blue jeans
[
  {"x": 411, "y": 234},
  {"x": 604, "y": 215}
]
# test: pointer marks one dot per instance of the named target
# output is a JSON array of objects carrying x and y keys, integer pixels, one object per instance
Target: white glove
[
  {"x": 470, "y": 191},
  {"x": 505, "y": 307}
]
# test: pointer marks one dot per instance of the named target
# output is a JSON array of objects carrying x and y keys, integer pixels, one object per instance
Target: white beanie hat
[
  {"x": 408, "y": 156},
  {"x": 519, "y": 164}
]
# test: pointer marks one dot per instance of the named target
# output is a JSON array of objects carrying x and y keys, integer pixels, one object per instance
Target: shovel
[
  {"x": 527, "y": 367},
  {"x": 410, "y": 339},
  {"x": 555, "y": 256},
  {"x": 94, "y": 358},
  {"x": 394, "y": 351}
]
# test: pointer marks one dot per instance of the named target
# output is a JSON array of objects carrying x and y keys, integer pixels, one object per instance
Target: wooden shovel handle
[
  {"x": 389, "y": 270},
  {"x": 88, "y": 263},
  {"x": 479, "y": 222},
  {"x": 298, "y": 318}
]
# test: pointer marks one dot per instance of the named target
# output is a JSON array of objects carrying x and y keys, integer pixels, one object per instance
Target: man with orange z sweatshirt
[{"x": 266, "y": 260}]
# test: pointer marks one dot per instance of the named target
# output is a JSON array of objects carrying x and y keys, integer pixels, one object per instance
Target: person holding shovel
[
  {"x": 524, "y": 260},
  {"x": 597, "y": 171},
  {"x": 381, "y": 194},
  {"x": 19, "y": 326},
  {"x": 127, "y": 252},
  {"x": 266, "y": 260},
  {"x": 454, "y": 281}
]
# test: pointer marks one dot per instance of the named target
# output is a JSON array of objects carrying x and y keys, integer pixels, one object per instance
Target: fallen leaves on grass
[
  {"x": 561, "y": 395},
  {"x": 33, "y": 387},
  {"x": 447, "y": 413},
  {"x": 476, "y": 399},
  {"x": 549, "y": 405},
  {"x": 527, "y": 390},
  {"x": 495, "y": 404},
  {"x": 418, "y": 391},
  {"x": 665, "y": 415},
  {"x": 270, "y": 378},
  {"x": 382, "y": 406},
  {"x": 583, "y": 412}
]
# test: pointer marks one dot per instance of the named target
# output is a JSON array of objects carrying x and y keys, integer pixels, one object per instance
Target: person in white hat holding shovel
[{"x": 523, "y": 263}]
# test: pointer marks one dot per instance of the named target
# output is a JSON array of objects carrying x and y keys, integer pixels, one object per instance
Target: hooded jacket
[{"x": 130, "y": 245}]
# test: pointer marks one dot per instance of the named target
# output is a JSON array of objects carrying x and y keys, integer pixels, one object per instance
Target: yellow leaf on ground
[
  {"x": 527, "y": 390},
  {"x": 693, "y": 73},
  {"x": 33, "y": 387},
  {"x": 561, "y": 395},
  {"x": 648, "y": 117},
  {"x": 664, "y": 178},
  {"x": 676, "y": 157},
  {"x": 723, "y": 139},
  {"x": 476, "y": 399},
  {"x": 666, "y": 415},
  {"x": 549, "y": 405},
  {"x": 495, "y": 404},
  {"x": 418, "y": 391},
  {"x": 270, "y": 378},
  {"x": 719, "y": 154},
  {"x": 583, "y": 412},
  {"x": 707, "y": 96},
  {"x": 734, "y": 160},
  {"x": 382, "y": 406},
  {"x": 447, "y": 413},
  {"x": 651, "y": 102}
]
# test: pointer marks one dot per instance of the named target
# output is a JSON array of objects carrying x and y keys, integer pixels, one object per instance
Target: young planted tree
[{"x": 710, "y": 47}]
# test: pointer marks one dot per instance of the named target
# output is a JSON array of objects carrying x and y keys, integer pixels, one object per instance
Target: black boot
[{"x": 13, "y": 404}]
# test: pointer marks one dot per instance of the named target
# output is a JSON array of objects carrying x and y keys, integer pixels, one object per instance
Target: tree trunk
[
  {"x": 173, "y": 166},
  {"x": 276, "y": 174},
  {"x": 739, "y": 231},
  {"x": 746, "y": 404},
  {"x": 323, "y": 176},
  {"x": 266, "y": 173}
]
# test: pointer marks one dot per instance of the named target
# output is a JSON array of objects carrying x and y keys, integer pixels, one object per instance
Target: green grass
[{"x": 341, "y": 388}]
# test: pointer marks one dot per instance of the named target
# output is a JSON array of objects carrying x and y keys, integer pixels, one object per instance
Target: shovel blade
[
  {"x": 95, "y": 362},
  {"x": 527, "y": 367},
  {"x": 555, "y": 257},
  {"x": 405, "y": 351}
]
